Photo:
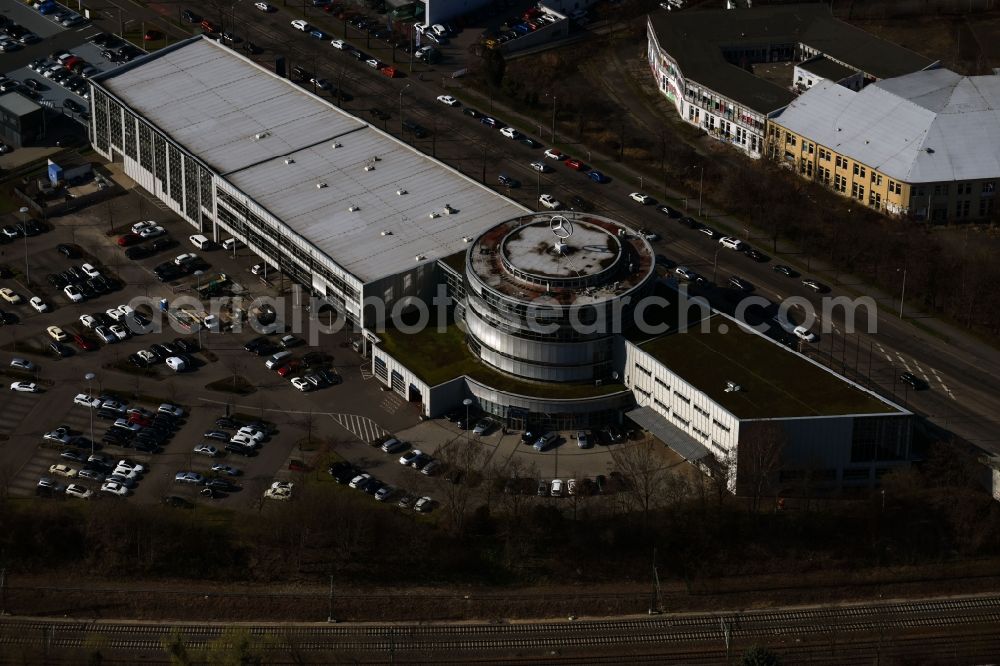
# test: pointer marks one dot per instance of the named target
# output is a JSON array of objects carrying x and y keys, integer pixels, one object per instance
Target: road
[
  {"x": 957, "y": 628},
  {"x": 960, "y": 371}
]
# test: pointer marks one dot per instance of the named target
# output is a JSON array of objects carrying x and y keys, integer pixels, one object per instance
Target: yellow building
[{"x": 926, "y": 144}]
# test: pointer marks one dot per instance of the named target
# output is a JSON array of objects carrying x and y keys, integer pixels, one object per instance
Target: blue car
[
  {"x": 48, "y": 8},
  {"x": 520, "y": 28},
  {"x": 318, "y": 34},
  {"x": 597, "y": 176}
]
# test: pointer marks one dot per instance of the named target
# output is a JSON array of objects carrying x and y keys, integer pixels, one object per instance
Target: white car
[
  {"x": 119, "y": 331},
  {"x": 641, "y": 198},
  {"x": 57, "y": 334},
  {"x": 439, "y": 30},
  {"x": 571, "y": 487},
  {"x": 373, "y": 63},
  {"x": 339, "y": 44},
  {"x": 90, "y": 271},
  {"x": 199, "y": 241},
  {"x": 25, "y": 387},
  {"x": 125, "y": 310},
  {"x": 510, "y": 132},
  {"x": 358, "y": 480},
  {"x": 62, "y": 470},
  {"x": 170, "y": 410},
  {"x": 76, "y": 490},
  {"x": 299, "y": 24},
  {"x": 804, "y": 334},
  {"x": 557, "y": 488},
  {"x": 302, "y": 384},
  {"x": 423, "y": 505},
  {"x": 126, "y": 473},
  {"x": 38, "y": 304},
  {"x": 279, "y": 493},
  {"x": 685, "y": 272},
  {"x": 139, "y": 226},
  {"x": 255, "y": 435},
  {"x": 59, "y": 435},
  {"x": 409, "y": 457},
  {"x": 105, "y": 334},
  {"x": 185, "y": 258},
  {"x": 153, "y": 232},
  {"x": 243, "y": 440},
  {"x": 264, "y": 7},
  {"x": 114, "y": 488},
  {"x": 73, "y": 293},
  {"x": 176, "y": 363},
  {"x": 10, "y": 295},
  {"x": 114, "y": 313},
  {"x": 206, "y": 450},
  {"x": 131, "y": 466},
  {"x": 541, "y": 167},
  {"x": 22, "y": 364},
  {"x": 88, "y": 321},
  {"x": 550, "y": 202},
  {"x": 554, "y": 154},
  {"x": 85, "y": 400},
  {"x": 447, "y": 100}
]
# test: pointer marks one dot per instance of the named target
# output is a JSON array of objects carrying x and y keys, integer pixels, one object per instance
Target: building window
[
  {"x": 985, "y": 207},
  {"x": 790, "y": 140},
  {"x": 718, "y": 424},
  {"x": 877, "y": 179},
  {"x": 642, "y": 369},
  {"x": 680, "y": 420},
  {"x": 861, "y": 193},
  {"x": 662, "y": 383},
  {"x": 875, "y": 200},
  {"x": 893, "y": 187},
  {"x": 941, "y": 189},
  {"x": 682, "y": 398},
  {"x": 176, "y": 174},
  {"x": 989, "y": 187},
  {"x": 964, "y": 188},
  {"x": 839, "y": 162},
  {"x": 700, "y": 410},
  {"x": 840, "y": 183},
  {"x": 917, "y": 191},
  {"x": 859, "y": 170},
  {"x": 962, "y": 209}
]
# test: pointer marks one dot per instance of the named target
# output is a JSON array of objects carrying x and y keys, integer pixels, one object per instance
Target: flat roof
[
  {"x": 828, "y": 69},
  {"x": 439, "y": 356},
  {"x": 697, "y": 41},
  {"x": 925, "y": 127},
  {"x": 245, "y": 122},
  {"x": 774, "y": 381},
  {"x": 18, "y": 104}
]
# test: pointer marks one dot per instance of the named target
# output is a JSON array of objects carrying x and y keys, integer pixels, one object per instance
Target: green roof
[
  {"x": 439, "y": 356},
  {"x": 774, "y": 382}
]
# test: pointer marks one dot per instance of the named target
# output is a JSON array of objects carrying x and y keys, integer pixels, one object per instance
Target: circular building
[{"x": 547, "y": 294}]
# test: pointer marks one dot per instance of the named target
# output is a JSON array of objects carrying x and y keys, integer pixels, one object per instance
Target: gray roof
[
  {"x": 827, "y": 69},
  {"x": 682, "y": 443},
  {"x": 244, "y": 121},
  {"x": 696, "y": 40},
  {"x": 925, "y": 127},
  {"x": 18, "y": 104}
]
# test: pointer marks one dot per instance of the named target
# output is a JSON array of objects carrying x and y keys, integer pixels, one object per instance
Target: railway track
[{"x": 788, "y": 625}]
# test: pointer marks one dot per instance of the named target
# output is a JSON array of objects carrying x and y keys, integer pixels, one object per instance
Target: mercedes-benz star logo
[{"x": 561, "y": 227}]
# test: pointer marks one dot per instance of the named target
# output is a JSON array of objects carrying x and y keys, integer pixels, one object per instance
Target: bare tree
[
  {"x": 236, "y": 365},
  {"x": 758, "y": 458},
  {"x": 646, "y": 471},
  {"x": 464, "y": 460}
]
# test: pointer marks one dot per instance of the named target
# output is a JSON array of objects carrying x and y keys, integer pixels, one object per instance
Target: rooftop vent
[
  {"x": 419, "y": 257},
  {"x": 369, "y": 167},
  {"x": 352, "y": 208},
  {"x": 400, "y": 192},
  {"x": 434, "y": 215},
  {"x": 289, "y": 160},
  {"x": 386, "y": 233},
  {"x": 320, "y": 186},
  {"x": 733, "y": 387},
  {"x": 448, "y": 210},
  {"x": 335, "y": 145},
  {"x": 261, "y": 135},
  {"x": 929, "y": 150}
]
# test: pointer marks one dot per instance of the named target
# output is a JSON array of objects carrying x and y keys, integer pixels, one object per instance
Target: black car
[
  {"x": 301, "y": 73},
  {"x": 138, "y": 252},
  {"x": 222, "y": 485},
  {"x": 138, "y": 361},
  {"x": 56, "y": 280},
  {"x": 415, "y": 129},
  {"x": 741, "y": 284},
  {"x": 98, "y": 284},
  {"x": 916, "y": 383},
  {"x": 108, "y": 414},
  {"x": 177, "y": 502},
  {"x": 688, "y": 222},
  {"x": 378, "y": 114},
  {"x": 190, "y": 17},
  {"x": 251, "y": 48},
  {"x": 163, "y": 243},
  {"x": 529, "y": 142},
  {"x": 167, "y": 272},
  {"x": 33, "y": 228},
  {"x": 59, "y": 348},
  {"x": 146, "y": 446},
  {"x": 102, "y": 39},
  {"x": 240, "y": 449},
  {"x": 507, "y": 181},
  {"x": 255, "y": 343},
  {"x": 756, "y": 255},
  {"x": 668, "y": 211},
  {"x": 315, "y": 358},
  {"x": 186, "y": 345},
  {"x": 579, "y": 203},
  {"x": 329, "y": 377},
  {"x": 228, "y": 423}
]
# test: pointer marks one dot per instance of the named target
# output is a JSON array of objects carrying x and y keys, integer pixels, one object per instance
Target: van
[
  {"x": 277, "y": 359},
  {"x": 731, "y": 243},
  {"x": 200, "y": 242},
  {"x": 232, "y": 244},
  {"x": 545, "y": 441}
]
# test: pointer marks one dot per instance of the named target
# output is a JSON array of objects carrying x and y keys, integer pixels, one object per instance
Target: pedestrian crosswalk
[{"x": 362, "y": 427}]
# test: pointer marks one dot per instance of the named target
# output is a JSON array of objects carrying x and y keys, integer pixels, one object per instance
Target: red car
[
  {"x": 289, "y": 367},
  {"x": 576, "y": 165},
  {"x": 129, "y": 239},
  {"x": 140, "y": 419},
  {"x": 83, "y": 343}
]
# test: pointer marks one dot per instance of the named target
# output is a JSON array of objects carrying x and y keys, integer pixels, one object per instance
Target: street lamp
[
  {"x": 467, "y": 402},
  {"x": 27, "y": 274},
  {"x": 902, "y": 296},
  {"x": 401, "y": 107},
  {"x": 90, "y": 397}
]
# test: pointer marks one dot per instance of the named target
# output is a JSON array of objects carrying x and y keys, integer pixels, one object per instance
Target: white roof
[
  {"x": 925, "y": 127},
  {"x": 245, "y": 121}
]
